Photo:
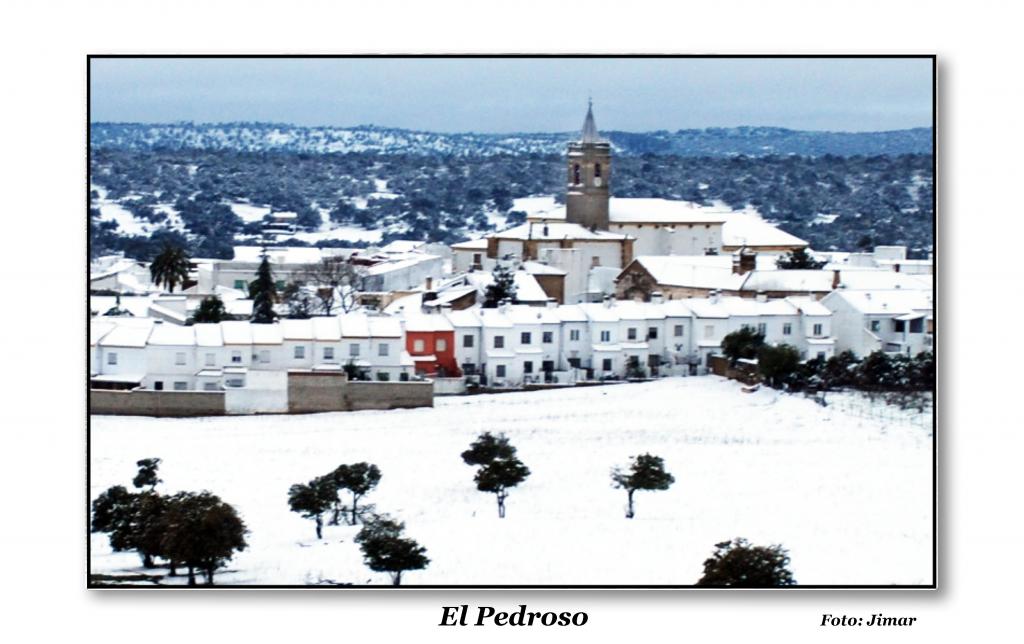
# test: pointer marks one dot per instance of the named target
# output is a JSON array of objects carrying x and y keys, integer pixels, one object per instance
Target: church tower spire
[{"x": 587, "y": 192}]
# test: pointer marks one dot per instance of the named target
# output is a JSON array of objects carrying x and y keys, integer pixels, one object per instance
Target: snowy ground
[{"x": 850, "y": 496}]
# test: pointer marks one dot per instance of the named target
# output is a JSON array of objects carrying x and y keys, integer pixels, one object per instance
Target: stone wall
[
  {"x": 310, "y": 391},
  {"x": 156, "y": 403},
  {"x": 390, "y": 395}
]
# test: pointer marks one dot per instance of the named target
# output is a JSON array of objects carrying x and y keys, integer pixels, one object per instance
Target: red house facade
[{"x": 430, "y": 340}]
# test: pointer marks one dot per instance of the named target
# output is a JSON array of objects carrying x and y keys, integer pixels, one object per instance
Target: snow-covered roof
[
  {"x": 131, "y": 332},
  {"x": 266, "y": 333},
  {"x": 537, "y": 268},
  {"x": 208, "y": 335},
  {"x": 278, "y": 255},
  {"x": 354, "y": 325},
  {"x": 883, "y": 279},
  {"x": 882, "y": 302},
  {"x": 385, "y": 327},
  {"x": 297, "y": 329},
  {"x": 556, "y": 231},
  {"x": 402, "y": 246},
  {"x": 809, "y": 306},
  {"x": 494, "y": 318},
  {"x": 570, "y": 313},
  {"x": 522, "y": 315},
  {"x": 693, "y": 271},
  {"x": 418, "y": 322},
  {"x": 744, "y": 229},
  {"x": 172, "y": 335},
  {"x": 326, "y": 329},
  {"x": 472, "y": 244},
  {"x": 662, "y": 211},
  {"x": 794, "y": 280},
  {"x": 464, "y": 318},
  {"x": 236, "y": 332}
]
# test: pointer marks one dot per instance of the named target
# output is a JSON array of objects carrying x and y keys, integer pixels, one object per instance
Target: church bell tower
[{"x": 590, "y": 173}]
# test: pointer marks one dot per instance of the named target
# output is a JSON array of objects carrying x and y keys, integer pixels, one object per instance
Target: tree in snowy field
[
  {"x": 210, "y": 311},
  {"x": 738, "y": 564},
  {"x": 201, "y": 532},
  {"x": 488, "y": 447},
  {"x": 798, "y": 259},
  {"x": 499, "y": 467},
  {"x": 264, "y": 293},
  {"x": 133, "y": 521},
  {"x": 743, "y": 343},
  {"x": 502, "y": 288},
  {"x": 170, "y": 267},
  {"x": 386, "y": 550},
  {"x": 358, "y": 479},
  {"x": 312, "y": 499},
  {"x": 147, "y": 474},
  {"x": 646, "y": 472}
]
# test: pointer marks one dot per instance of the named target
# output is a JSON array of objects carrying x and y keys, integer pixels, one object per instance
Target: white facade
[{"x": 894, "y": 321}]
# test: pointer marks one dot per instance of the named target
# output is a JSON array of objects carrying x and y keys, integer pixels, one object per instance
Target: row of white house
[
  {"x": 130, "y": 352},
  {"x": 516, "y": 344}
]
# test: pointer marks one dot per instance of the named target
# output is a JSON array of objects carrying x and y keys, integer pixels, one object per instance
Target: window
[
  {"x": 111, "y": 358},
  {"x": 210, "y": 386},
  {"x": 574, "y": 335},
  {"x": 180, "y": 386},
  {"x": 383, "y": 376},
  {"x": 418, "y": 346},
  {"x": 499, "y": 342},
  {"x": 264, "y": 357},
  {"x": 528, "y": 367},
  {"x": 499, "y": 371},
  {"x": 353, "y": 350},
  {"x": 652, "y": 333},
  {"x": 158, "y": 385},
  {"x": 576, "y": 173},
  {"x": 300, "y": 353},
  {"x": 606, "y": 336},
  {"x": 524, "y": 337},
  {"x": 477, "y": 259},
  {"x": 678, "y": 330},
  {"x": 382, "y": 350},
  {"x": 404, "y": 377},
  {"x": 328, "y": 353},
  {"x": 547, "y": 337},
  {"x": 917, "y": 326},
  {"x": 234, "y": 382},
  {"x": 574, "y": 363},
  {"x": 787, "y": 328},
  {"x": 441, "y": 345},
  {"x": 467, "y": 341},
  {"x": 597, "y": 170},
  {"x": 236, "y": 357},
  {"x": 211, "y": 359},
  {"x": 821, "y": 355},
  {"x": 709, "y": 331},
  {"x": 595, "y": 261},
  {"x": 468, "y": 368},
  {"x": 631, "y": 333},
  {"x": 817, "y": 329},
  {"x": 241, "y": 285},
  {"x": 762, "y": 328},
  {"x": 606, "y": 364},
  {"x": 876, "y": 326}
]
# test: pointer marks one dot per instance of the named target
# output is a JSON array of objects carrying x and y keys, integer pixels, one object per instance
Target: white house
[{"x": 893, "y": 320}]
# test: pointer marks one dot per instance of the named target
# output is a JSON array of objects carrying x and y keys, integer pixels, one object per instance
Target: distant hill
[{"x": 711, "y": 142}]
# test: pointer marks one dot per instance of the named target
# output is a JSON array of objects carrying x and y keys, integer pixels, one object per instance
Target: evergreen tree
[
  {"x": 170, "y": 267},
  {"x": 312, "y": 499},
  {"x": 738, "y": 564},
  {"x": 777, "y": 362},
  {"x": 386, "y": 550},
  {"x": 743, "y": 343},
  {"x": 210, "y": 310},
  {"x": 646, "y": 472},
  {"x": 798, "y": 259},
  {"x": 132, "y": 521},
  {"x": 264, "y": 293},
  {"x": 201, "y": 532},
  {"x": 499, "y": 470},
  {"x": 358, "y": 479},
  {"x": 502, "y": 288}
]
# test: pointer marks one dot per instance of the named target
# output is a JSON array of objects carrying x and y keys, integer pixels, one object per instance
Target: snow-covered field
[{"x": 848, "y": 495}]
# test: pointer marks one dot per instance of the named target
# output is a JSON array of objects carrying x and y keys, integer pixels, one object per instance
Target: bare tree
[{"x": 336, "y": 283}]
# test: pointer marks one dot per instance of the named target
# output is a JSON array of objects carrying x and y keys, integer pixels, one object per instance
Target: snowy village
[{"x": 613, "y": 391}]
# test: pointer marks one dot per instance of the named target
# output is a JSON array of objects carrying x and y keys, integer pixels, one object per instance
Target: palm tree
[{"x": 170, "y": 267}]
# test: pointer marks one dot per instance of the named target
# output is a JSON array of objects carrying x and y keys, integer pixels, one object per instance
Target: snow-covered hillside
[{"x": 850, "y": 496}]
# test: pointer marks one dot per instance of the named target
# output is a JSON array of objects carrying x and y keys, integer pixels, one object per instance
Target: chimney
[
  {"x": 504, "y": 306},
  {"x": 713, "y": 297},
  {"x": 430, "y": 283},
  {"x": 657, "y": 297},
  {"x": 835, "y": 279},
  {"x": 761, "y": 296},
  {"x": 608, "y": 302},
  {"x": 896, "y": 267},
  {"x": 746, "y": 262}
]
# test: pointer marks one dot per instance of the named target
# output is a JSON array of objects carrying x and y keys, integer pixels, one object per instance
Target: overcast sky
[{"x": 519, "y": 95}]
